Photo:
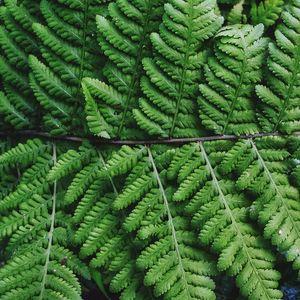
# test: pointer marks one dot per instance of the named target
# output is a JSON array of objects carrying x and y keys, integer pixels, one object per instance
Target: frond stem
[
  {"x": 137, "y": 67},
  {"x": 170, "y": 218},
  {"x": 291, "y": 88},
  {"x": 237, "y": 91},
  {"x": 273, "y": 183},
  {"x": 185, "y": 68},
  {"x": 231, "y": 216},
  {"x": 50, "y": 233}
]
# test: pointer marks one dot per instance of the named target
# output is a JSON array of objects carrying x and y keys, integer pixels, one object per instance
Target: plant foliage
[
  {"x": 226, "y": 105},
  {"x": 124, "y": 39},
  {"x": 17, "y": 41},
  {"x": 167, "y": 109},
  {"x": 280, "y": 98},
  {"x": 68, "y": 54},
  {"x": 37, "y": 230},
  {"x": 189, "y": 188}
]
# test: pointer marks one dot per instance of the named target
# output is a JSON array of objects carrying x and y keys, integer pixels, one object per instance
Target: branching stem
[{"x": 99, "y": 141}]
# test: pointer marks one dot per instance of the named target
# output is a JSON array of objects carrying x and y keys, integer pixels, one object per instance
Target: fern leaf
[
  {"x": 280, "y": 96},
  {"x": 123, "y": 160},
  {"x": 226, "y": 105},
  {"x": 103, "y": 240},
  {"x": 96, "y": 122},
  {"x": 82, "y": 181},
  {"x": 70, "y": 161},
  {"x": 34, "y": 269},
  {"x": 16, "y": 42},
  {"x": 88, "y": 200},
  {"x": 174, "y": 265},
  {"x": 23, "y": 153},
  {"x": 124, "y": 39},
  {"x": 166, "y": 110},
  {"x": 277, "y": 201},
  {"x": 219, "y": 213},
  {"x": 67, "y": 58},
  {"x": 266, "y": 12},
  {"x": 236, "y": 14}
]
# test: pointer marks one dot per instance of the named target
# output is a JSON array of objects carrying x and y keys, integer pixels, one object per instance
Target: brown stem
[{"x": 100, "y": 141}]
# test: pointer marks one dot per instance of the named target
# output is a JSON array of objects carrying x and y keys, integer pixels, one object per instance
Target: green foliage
[
  {"x": 266, "y": 12},
  {"x": 219, "y": 212},
  {"x": 262, "y": 167},
  {"x": 17, "y": 41},
  {"x": 280, "y": 98},
  {"x": 226, "y": 105},
  {"x": 173, "y": 213},
  {"x": 167, "y": 108},
  {"x": 236, "y": 14},
  {"x": 145, "y": 216},
  {"x": 124, "y": 39},
  {"x": 68, "y": 56},
  {"x": 98, "y": 228},
  {"x": 36, "y": 230},
  {"x": 23, "y": 153},
  {"x": 170, "y": 256}
]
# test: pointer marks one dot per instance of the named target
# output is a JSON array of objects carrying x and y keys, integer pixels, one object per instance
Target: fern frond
[
  {"x": 236, "y": 14},
  {"x": 71, "y": 161},
  {"x": 276, "y": 207},
  {"x": 266, "y": 12},
  {"x": 167, "y": 108},
  {"x": 226, "y": 102},
  {"x": 37, "y": 240},
  {"x": 34, "y": 182},
  {"x": 17, "y": 41},
  {"x": 280, "y": 96},
  {"x": 83, "y": 180},
  {"x": 68, "y": 56},
  {"x": 173, "y": 263},
  {"x": 88, "y": 200},
  {"x": 23, "y": 153},
  {"x": 220, "y": 215},
  {"x": 122, "y": 161},
  {"x": 124, "y": 39},
  {"x": 103, "y": 240},
  {"x": 155, "y": 218}
]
